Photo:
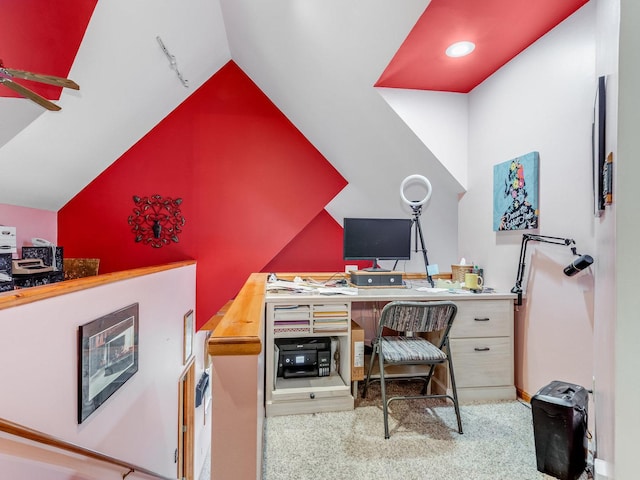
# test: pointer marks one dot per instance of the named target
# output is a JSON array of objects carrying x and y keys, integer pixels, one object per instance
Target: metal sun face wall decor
[
  {"x": 515, "y": 193},
  {"x": 156, "y": 220}
]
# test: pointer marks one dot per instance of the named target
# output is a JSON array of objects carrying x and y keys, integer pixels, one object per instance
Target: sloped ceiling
[
  {"x": 128, "y": 86},
  {"x": 500, "y": 30},
  {"x": 41, "y": 36},
  {"x": 38, "y": 36}
]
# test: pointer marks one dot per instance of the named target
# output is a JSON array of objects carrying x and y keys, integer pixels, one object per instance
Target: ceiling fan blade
[
  {"x": 25, "y": 92},
  {"x": 42, "y": 78}
]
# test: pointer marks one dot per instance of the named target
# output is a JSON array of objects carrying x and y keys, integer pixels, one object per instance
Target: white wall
[
  {"x": 627, "y": 360},
  {"x": 138, "y": 423},
  {"x": 440, "y": 120},
  {"x": 540, "y": 101},
  {"x": 608, "y": 18}
]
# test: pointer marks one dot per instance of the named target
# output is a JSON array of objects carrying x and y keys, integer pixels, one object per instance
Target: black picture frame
[
  {"x": 599, "y": 146},
  {"x": 107, "y": 357}
]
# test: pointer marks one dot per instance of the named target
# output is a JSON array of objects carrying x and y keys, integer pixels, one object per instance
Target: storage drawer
[
  {"x": 291, "y": 312},
  {"x": 483, "y": 318},
  {"x": 310, "y": 388},
  {"x": 482, "y": 362}
]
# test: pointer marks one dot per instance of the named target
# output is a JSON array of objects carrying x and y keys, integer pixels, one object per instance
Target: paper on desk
[
  {"x": 432, "y": 290},
  {"x": 286, "y": 285},
  {"x": 337, "y": 290},
  {"x": 301, "y": 287}
]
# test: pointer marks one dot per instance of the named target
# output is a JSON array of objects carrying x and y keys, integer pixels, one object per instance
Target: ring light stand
[{"x": 416, "y": 206}]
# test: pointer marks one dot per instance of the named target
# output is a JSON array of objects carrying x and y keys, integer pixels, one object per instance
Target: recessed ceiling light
[{"x": 460, "y": 49}]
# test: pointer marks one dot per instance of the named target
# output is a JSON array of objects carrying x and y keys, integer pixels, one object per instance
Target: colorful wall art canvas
[{"x": 515, "y": 193}]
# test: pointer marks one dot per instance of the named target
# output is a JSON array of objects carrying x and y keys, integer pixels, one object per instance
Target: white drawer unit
[
  {"x": 482, "y": 362},
  {"x": 482, "y": 350},
  {"x": 483, "y": 318},
  {"x": 301, "y": 325}
]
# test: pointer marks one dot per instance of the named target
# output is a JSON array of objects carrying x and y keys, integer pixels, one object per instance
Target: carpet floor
[{"x": 497, "y": 443}]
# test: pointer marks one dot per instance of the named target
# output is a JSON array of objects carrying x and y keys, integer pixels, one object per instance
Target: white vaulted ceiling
[
  {"x": 317, "y": 60},
  {"x": 126, "y": 87}
]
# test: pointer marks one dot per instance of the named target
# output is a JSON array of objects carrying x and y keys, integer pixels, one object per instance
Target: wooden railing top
[
  {"x": 238, "y": 333},
  {"x": 45, "y": 439},
  {"x": 33, "y": 294}
]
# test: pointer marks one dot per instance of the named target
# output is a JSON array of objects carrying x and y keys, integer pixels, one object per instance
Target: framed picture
[
  {"x": 107, "y": 357},
  {"x": 515, "y": 193},
  {"x": 189, "y": 332},
  {"x": 598, "y": 151}
]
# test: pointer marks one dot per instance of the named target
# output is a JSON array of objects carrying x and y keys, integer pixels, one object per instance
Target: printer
[{"x": 303, "y": 357}]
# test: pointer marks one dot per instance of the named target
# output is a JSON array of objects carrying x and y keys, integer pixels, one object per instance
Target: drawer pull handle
[
  {"x": 312, "y": 395},
  {"x": 485, "y": 319},
  {"x": 482, "y": 349}
]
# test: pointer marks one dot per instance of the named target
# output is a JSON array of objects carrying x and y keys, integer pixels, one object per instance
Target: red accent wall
[
  {"x": 317, "y": 248},
  {"x": 250, "y": 184}
]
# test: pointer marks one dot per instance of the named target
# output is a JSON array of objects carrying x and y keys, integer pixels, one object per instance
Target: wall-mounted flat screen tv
[{"x": 377, "y": 239}]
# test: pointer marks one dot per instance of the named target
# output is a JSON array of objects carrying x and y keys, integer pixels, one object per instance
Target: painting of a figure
[{"x": 515, "y": 193}]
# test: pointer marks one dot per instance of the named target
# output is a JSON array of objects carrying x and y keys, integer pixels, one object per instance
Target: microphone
[{"x": 578, "y": 265}]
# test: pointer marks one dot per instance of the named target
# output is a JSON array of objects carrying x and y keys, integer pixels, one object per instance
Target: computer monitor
[{"x": 377, "y": 239}]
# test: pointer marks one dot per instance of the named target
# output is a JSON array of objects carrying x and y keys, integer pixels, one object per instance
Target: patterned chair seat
[{"x": 410, "y": 349}]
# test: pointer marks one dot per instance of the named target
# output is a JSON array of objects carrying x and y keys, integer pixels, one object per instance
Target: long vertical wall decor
[{"x": 515, "y": 193}]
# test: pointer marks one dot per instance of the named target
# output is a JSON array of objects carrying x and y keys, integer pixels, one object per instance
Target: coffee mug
[{"x": 472, "y": 281}]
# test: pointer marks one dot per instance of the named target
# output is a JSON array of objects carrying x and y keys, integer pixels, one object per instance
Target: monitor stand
[{"x": 375, "y": 267}]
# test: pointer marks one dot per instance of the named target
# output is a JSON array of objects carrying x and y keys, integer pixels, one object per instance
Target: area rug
[{"x": 497, "y": 443}]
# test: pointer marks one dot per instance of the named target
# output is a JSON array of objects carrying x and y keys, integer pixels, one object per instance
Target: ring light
[{"x": 416, "y": 203}]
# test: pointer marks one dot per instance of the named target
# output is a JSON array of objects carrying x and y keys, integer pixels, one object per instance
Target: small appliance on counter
[
  {"x": 304, "y": 357},
  {"x": 40, "y": 264},
  {"x": 6, "y": 277},
  {"x": 8, "y": 239},
  {"x": 29, "y": 266}
]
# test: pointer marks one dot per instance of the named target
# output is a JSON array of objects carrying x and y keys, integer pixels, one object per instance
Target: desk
[
  {"x": 238, "y": 349},
  {"x": 481, "y": 345}
]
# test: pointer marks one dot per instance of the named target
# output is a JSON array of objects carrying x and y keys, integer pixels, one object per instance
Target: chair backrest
[{"x": 418, "y": 317}]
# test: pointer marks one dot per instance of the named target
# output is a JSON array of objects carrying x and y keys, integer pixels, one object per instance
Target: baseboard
[
  {"x": 523, "y": 395},
  {"x": 603, "y": 470}
]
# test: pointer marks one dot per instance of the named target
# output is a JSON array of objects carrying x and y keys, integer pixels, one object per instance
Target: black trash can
[{"x": 560, "y": 429}]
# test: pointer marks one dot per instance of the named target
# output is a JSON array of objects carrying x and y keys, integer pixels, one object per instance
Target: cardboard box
[{"x": 357, "y": 352}]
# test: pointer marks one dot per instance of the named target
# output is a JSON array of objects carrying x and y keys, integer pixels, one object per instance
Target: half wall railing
[{"x": 45, "y": 439}]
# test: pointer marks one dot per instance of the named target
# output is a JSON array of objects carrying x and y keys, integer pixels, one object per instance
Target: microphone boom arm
[{"x": 526, "y": 238}]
